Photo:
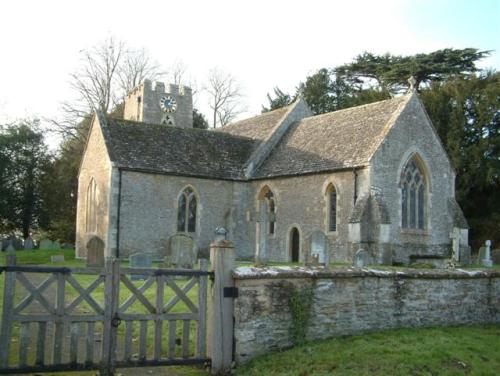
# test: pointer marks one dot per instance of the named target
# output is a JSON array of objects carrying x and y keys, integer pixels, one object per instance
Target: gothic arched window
[
  {"x": 91, "y": 207},
  {"x": 413, "y": 196},
  {"x": 186, "y": 211},
  {"x": 331, "y": 199}
]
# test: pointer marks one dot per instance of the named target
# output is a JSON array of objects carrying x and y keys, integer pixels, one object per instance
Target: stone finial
[{"x": 412, "y": 81}]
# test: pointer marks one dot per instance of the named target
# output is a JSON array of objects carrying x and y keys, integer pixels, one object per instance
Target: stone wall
[
  {"x": 354, "y": 300},
  {"x": 95, "y": 165},
  {"x": 413, "y": 134}
]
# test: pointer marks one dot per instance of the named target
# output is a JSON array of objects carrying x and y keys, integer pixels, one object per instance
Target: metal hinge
[{"x": 230, "y": 292}]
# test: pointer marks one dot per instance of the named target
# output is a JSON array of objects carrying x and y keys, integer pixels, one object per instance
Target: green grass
[{"x": 436, "y": 351}]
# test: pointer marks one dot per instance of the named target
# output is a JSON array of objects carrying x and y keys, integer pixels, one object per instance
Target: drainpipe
[
  {"x": 118, "y": 213},
  {"x": 355, "y": 193}
]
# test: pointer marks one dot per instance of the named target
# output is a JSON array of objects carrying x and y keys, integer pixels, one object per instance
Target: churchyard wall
[
  {"x": 413, "y": 133},
  {"x": 95, "y": 165},
  {"x": 346, "y": 302},
  {"x": 301, "y": 202}
]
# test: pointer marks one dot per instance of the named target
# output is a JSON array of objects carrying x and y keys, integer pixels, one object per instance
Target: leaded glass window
[
  {"x": 186, "y": 211},
  {"x": 413, "y": 197},
  {"x": 91, "y": 207},
  {"x": 332, "y": 208}
]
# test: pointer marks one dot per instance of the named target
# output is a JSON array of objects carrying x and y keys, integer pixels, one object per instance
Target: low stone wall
[{"x": 348, "y": 301}]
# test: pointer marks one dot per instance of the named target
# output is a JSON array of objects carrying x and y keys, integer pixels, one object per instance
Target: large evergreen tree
[
  {"x": 23, "y": 162},
  {"x": 466, "y": 114}
]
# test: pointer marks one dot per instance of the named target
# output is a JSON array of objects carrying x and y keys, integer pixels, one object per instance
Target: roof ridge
[
  {"x": 355, "y": 107},
  {"x": 252, "y": 117}
]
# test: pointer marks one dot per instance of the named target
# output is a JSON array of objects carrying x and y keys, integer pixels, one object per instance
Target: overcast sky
[{"x": 262, "y": 43}]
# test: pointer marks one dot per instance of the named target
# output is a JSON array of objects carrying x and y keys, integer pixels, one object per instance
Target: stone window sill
[{"x": 412, "y": 231}]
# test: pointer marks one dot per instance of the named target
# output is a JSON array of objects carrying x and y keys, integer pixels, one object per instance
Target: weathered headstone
[
  {"x": 46, "y": 244},
  {"x": 56, "y": 245},
  {"x": 495, "y": 256},
  {"x": 319, "y": 247},
  {"x": 95, "y": 252},
  {"x": 140, "y": 260},
  {"x": 57, "y": 258},
  {"x": 455, "y": 244},
  {"x": 486, "y": 260},
  {"x": 10, "y": 247},
  {"x": 480, "y": 254},
  {"x": 361, "y": 258},
  {"x": 314, "y": 259},
  {"x": 182, "y": 251},
  {"x": 28, "y": 243}
]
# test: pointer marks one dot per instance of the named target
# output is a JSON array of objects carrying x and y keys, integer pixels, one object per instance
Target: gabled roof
[
  {"x": 257, "y": 128},
  {"x": 337, "y": 140},
  {"x": 342, "y": 139},
  {"x": 166, "y": 149}
]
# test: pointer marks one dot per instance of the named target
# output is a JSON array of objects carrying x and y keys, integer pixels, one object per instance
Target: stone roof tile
[
  {"x": 341, "y": 139},
  {"x": 167, "y": 149}
]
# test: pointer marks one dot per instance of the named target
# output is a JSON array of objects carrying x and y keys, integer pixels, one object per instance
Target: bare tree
[
  {"x": 107, "y": 72},
  {"x": 225, "y": 97},
  {"x": 137, "y": 65}
]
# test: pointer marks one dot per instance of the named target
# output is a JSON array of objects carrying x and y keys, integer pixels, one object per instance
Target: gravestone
[
  {"x": 95, "y": 252},
  {"x": 46, "y": 244},
  {"x": 361, "y": 258},
  {"x": 10, "y": 247},
  {"x": 182, "y": 251},
  {"x": 319, "y": 247},
  {"x": 140, "y": 260},
  {"x": 486, "y": 259},
  {"x": 57, "y": 258},
  {"x": 495, "y": 256},
  {"x": 455, "y": 244},
  {"x": 28, "y": 243},
  {"x": 56, "y": 245},
  {"x": 314, "y": 259},
  {"x": 480, "y": 254}
]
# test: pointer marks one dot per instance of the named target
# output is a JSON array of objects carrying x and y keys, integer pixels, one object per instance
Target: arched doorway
[{"x": 295, "y": 244}]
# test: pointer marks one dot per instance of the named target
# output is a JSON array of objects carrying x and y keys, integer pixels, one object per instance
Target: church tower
[{"x": 171, "y": 105}]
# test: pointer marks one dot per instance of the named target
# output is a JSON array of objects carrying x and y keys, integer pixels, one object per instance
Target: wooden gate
[{"x": 61, "y": 319}]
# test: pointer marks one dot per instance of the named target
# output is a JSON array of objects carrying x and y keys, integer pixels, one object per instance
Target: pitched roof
[
  {"x": 341, "y": 139},
  {"x": 257, "y": 127},
  {"x": 167, "y": 149}
]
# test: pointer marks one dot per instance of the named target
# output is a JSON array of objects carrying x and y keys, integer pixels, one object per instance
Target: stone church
[{"x": 374, "y": 177}]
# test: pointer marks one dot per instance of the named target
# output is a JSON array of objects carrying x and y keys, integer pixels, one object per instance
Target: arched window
[
  {"x": 331, "y": 193},
  {"x": 186, "y": 211},
  {"x": 413, "y": 196},
  {"x": 91, "y": 207}
]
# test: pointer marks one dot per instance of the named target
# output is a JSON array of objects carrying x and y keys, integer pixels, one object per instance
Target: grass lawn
[{"x": 437, "y": 351}]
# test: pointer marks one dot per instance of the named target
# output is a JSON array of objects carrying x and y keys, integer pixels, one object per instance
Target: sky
[{"x": 263, "y": 44}]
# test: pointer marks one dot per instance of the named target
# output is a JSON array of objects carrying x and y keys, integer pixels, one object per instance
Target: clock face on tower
[{"x": 168, "y": 104}]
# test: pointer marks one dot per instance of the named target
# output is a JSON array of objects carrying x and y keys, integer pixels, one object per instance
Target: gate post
[
  {"x": 111, "y": 321},
  {"x": 9, "y": 291},
  {"x": 221, "y": 308}
]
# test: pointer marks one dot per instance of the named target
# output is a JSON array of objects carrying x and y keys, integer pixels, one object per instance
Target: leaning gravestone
[
  {"x": 95, "y": 252},
  {"x": 182, "y": 251},
  {"x": 46, "y": 244},
  {"x": 319, "y": 247},
  {"x": 140, "y": 260},
  {"x": 361, "y": 258},
  {"x": 28, "y": 243}
]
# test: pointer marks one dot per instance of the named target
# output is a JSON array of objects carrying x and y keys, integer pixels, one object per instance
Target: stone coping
[{"x": 284, "y": 272}]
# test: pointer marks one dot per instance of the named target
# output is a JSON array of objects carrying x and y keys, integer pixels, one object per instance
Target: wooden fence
[{"x": 58, "y": 318}]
